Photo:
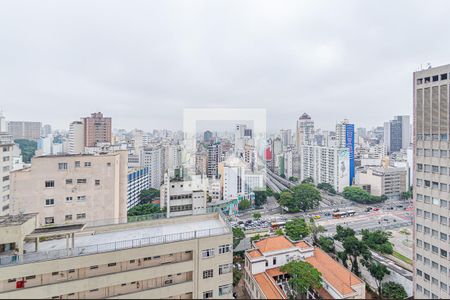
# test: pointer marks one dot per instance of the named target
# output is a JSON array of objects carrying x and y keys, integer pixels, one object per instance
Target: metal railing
[{"x": 108, "y": 247}]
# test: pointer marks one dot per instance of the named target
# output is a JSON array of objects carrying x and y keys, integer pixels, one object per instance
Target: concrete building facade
[
  {"x": 25, "y": 130},
  {"x": 138, "y": 180},
  {"x": 76, "y": 137},
  {"x": 66, "y": 189},
  {"x": 97, "y": 129},
  {"x": 389, "y": 181},
  {"x": 6, "y": 166}
]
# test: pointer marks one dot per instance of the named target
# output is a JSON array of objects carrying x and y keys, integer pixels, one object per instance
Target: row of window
[
  {"x": 443, "y": 187},
  {"x": 223, "y": 290},
  {"x": 432, "y": 216},
  {"x": 431, "y": 200},
  {"x": 433, "y": 233},
  {"x": 51, "y": 183},
  {"x": 434, "y": 265},
  {"x": 432, "y": 169},
  {"x": 434, "y": 281},
  {"x": 433, "y": 78},
  {"x": 51, "y": 220},
  {"x": 223, "y": 269},
  {"x": 51, "y": 202},
  {"x": 434, "y": 249},
  {"x": 432, "y": 153},
  {"x": 207, "y": 253},
  {"x": 432, "y": 137},
  {"x": 64, "y": 166}
]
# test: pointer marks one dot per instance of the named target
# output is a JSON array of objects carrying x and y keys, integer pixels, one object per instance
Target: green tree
[
  {"x": 303, "y": 197},
  {"x": 378, "y": 241},
  {"x": 354, "y": 248},
  {"x": 244, "y": 204},
  {"x": 394, "y": 291},
  {"x": 308, "y": 180},
  {"x": 343, "y": 232},
  {"x": 378, "y": 271},
  {"x": 255, "y": 237},
  {"x": 260, "y": 198},
  {"x": 238, "y": 235},
  {"x": 316, "y": 229},
  {"x": 237, "y": 275},
  {"x": 406, "y": 195},
  {"x": 293, "y": 179},
  {"x": 28, "y": 149},
  {"x": 146, "y": 196},
  {"x": 269, "y": 192},
  {"x": 297, "y": 229},
  {"x": 326, "y": 244},
  {"x": 326, "y": 187},
  {"x": 357, "y": 194},
  {"x": 256, "y": 215},
  {"x": 282, "y": 175},
  {"x": 279, "y": 231},
  {"x": 303, "y": 277},
  {"x": 276, "y": 196},
  {"x": 143, "y": 209}
]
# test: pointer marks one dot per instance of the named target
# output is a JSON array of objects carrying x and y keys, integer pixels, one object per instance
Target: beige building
[
  {"x": 65, "y": 189},
  {"x": 431, "y": 183},
  {"x": 6, "y": 166},
  {"x": 177, "y": 258},
  {"x": 264, "y": 279},
  {"x": 388, "y": 181},
  {"x": 25, "y": 130},
  {"x": 76, "y": 137},
  {"x": 97, "y": 129}
]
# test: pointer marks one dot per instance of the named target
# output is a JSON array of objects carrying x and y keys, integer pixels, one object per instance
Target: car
[
  {"x": 316, "y": 217},
  {"x": 376, "y": 209},
  {"x": 327, "y": 214},
  {"x": 368, "y": 209},
  {"x": 336, "y": 210}
]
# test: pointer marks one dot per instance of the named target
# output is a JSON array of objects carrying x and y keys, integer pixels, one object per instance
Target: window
[
  {"x": 208, "y": 253},
  {"x": 49, "y": 220},
  {"x": 94, "y": 290},
  {"x": 435, "y": 169},
  {"x": 436, "y": 201},
  {"x": 72, "y": 271},
  {"x": 443, "y": 270},
  {"x": 69, "y": 199},
  {"x": 426, "y": 276},
  {"x": 225, "y": 289},
  {"x": 49, "y": 183},
  {"x": 444, "y": 187},
  {"x": 55, "y": 273},
  {"x": 87, "y": 164},
  {"x": 419, "y": 167},
  {"x": 444, "y": 253},
  {"x": 108, "y": 164},
  {"x": 112, "y": 264},
  {"x": 443, "y": 237},
  {"x": 418, "y": 272},
  {"x": 49, "y": 202},
  {"x": 81, "y": 198},
  {"x": 444, "y": 76},
  {"x": 11, "y": 280},
  {"x": 444, "y": 153},
  {"x": 435, "y": 78},
  {"x": 68, "y": 218},
  {"x": 274, "y": 261},
  {"x": 224, "y": 249},
  {"x": 77, "y": 164},
  {"x": 30, "y": 277},
  {"x": 207, "y": 294},
  {"x": 443, "y": 170},
  {"x": 97, "y": 182},
  {"x": 82, "y": 180},
  {"x": 226, "y": 268},
  {"x": 443, "y": 286},
  {"x": 208, "y": 274},
  {"x": 94, "y": 267},
  {"x": 69, "y": 181},
  {"x": 444, "y": 203},
  {"x": 81, "y": 216},
  {"x": 62, "y": 166},
  {"x": 443, "y": 220}
]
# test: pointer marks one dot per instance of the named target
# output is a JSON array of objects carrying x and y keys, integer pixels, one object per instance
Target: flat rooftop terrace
[{"x": 123, "y": 236}]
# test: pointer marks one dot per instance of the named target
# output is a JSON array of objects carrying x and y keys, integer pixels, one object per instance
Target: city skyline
[{"x": 302, "y": 63}]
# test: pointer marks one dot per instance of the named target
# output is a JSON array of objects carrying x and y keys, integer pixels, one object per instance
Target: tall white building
[
  {"x": 154, "y": 158},
  {"x": 173, "y": 158},
  {"x": 6, "y": 165},
  {"x": 76, "y": 137},
  {"x": 305, "y": 131},
  {"x": 286, "y": 137},
  {"x": 326, "y": 164},
  {"x": 432, "y": 178}
]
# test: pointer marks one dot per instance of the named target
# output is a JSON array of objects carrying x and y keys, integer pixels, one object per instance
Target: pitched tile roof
[
  {"x": 269, "y": 287},
  {"x": 274, "y": 243},
  {"x": 254, "y": 253},
  {"x": 333, "y": 272}
]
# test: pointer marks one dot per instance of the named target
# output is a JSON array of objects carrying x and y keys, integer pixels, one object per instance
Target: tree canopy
[
  {"x": 238, "y": 235},
  {"x": 244, "y": 204},
  {"x": 308, "y": 180},
  {"x": 326, "y": 244},
  {"x": 326, "y": 187},
  {"x": 303, "y": 277},
  {"x": 378, "y": 271},
  {"x": 146, "y": 196},
  {"x": 260, "y": 198},
  {"x": 357, "y": 194},
  {"x": 393, "y": 290},
  {"x": 256, "y": 215},
  {"x": 297, "y": 229},
  {"x": 293, "y": 179},
  {"x": 303, "y": 197},
  {"x": 143, "y": 209},
  {"x": 378, "y": 241},
  {"x": 343, "y": 232},
  {"x": 28, "y": 148}
]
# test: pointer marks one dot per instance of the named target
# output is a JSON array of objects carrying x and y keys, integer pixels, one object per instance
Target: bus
[
  {"x": 277, "y": 224},
  {"x": 343, "y": 214}
]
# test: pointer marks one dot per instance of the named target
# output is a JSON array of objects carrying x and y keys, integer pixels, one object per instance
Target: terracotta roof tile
[
  {"x": 333, "y": 272},
  {"x": 303, "y": 245},
  {"x": 269, "y": 287},
  {"x": 274, "y": 243},
  {"x": 274, "y": 272},
  {"x": 254, "y": 253}
]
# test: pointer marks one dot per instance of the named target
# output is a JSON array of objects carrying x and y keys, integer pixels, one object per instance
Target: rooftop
[
  {"x": 9, "y": 220},
  {"x": 275, "y": 243},
  {"x": 269, "y": 286}
]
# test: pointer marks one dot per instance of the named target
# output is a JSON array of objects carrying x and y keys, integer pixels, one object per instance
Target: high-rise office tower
[
  {"x": 154, "y": 158},
  {"x": 76, "y": 137},
  {"x": 207, "y": 136},
  {"x": 432, "y": 179},
  {"x": 286, "y": 137},
  {"x": 397, "y": 134},
  {"x": 97, "y": 129},
  {"x": 214, "y": 157},
  {"x": 305, "y": 131},
  {"x": 345, "y": 138},
  {"x": 25, "y": 130}
]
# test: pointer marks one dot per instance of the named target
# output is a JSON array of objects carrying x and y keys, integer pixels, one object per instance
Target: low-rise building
[
  {"x": 388, "y": 181},
  {"x": 177, "y": 258},
  {"x": 65, "y": 189},
  {"x": 264, "y": 279}
]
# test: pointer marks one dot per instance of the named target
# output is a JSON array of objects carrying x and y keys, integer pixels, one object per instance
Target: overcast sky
[{"x": 143, "y": 62}]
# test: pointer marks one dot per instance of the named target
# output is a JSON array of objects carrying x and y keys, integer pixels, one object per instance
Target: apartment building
[
  {"x": 264, "y": 279},
  {"x": 25, "y": 130},
  {"x": 325, "y": 164},
  {"x": 388, "y": 181},
  {"x": 176, "y": 258},
  {"x": 431, "y": 190},
  {"x": 154, "y": 158},
  {"x": 97, "y": 129},
  {"x": 76, "y": 137},
  {"x": 138, "y": 180},
  {"x": 65, "y": 189},
  {"x": 182, "y": 198},
  {"x": 6, "y": 166}
]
